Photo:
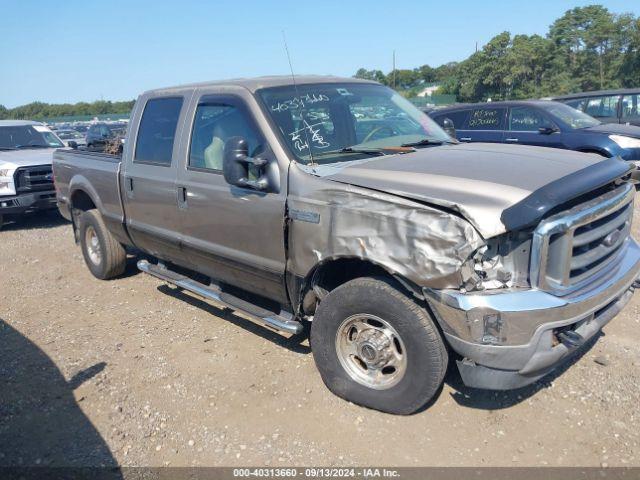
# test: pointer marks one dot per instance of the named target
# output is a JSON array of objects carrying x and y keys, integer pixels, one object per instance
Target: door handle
[
  {"x": 181, "y": 194},
  {"x": 128, "y": 186},
  {"x": 465, "y": 139},
  {"x": 514, "y": 140}
]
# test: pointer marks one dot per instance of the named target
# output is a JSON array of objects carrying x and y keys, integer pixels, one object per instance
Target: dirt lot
[{"x": 132, "y": 372}]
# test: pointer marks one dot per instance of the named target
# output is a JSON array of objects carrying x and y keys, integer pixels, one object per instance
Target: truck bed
[{"x": 96, "y": 173}]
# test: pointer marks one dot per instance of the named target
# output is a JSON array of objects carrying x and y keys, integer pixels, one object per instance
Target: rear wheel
[
  {"x": 374, "y": 346},
  {"x": 104, "y": 255}
]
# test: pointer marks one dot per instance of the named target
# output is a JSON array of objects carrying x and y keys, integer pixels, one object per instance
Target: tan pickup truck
[{"x": 334, "y": 203}]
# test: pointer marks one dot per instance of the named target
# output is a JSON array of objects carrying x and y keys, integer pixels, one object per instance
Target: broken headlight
[{"x": 503, "y": 262}]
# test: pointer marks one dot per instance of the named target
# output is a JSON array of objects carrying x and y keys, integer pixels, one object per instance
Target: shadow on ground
[
  {"x": 496, "y": 400},
  {"x": 41, "y": 424},
  {"x": 33, "y": 221},
  {"x": 293, "y": 343}
]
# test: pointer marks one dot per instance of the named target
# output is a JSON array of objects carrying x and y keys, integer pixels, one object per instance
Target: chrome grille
[
  {"x": 576, "y": 246},
  {"x": 34, "y": 179}
]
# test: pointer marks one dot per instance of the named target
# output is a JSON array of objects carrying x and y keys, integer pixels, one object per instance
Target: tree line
[
  {"x": 41, "y": 110},
  {"x": 588, "y": 48}
]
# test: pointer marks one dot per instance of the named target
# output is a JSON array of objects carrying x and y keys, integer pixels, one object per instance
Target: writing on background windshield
[{"x": 323, "y": 119}]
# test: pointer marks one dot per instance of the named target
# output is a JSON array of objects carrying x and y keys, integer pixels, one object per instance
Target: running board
[{"x": 274, "y": 320}]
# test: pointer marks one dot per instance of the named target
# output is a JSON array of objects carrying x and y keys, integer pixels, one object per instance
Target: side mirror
[
  {"x": 72, "y": 144},
  {"x": 547, "y": 130},
  {"x": 449, "y": 127},
  {"x": 235, "y": 165}
]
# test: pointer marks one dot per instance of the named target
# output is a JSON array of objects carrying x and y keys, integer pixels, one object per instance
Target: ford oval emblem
[{"x": 612, "y": 238}]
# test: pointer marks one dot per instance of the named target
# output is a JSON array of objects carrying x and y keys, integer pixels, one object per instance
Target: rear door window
[
  {"x": 601, "y": 107},
  {"x": 631, "y": 107},
  {"x": 486, "y": 118},
  {"x": 157, "y": 131}
]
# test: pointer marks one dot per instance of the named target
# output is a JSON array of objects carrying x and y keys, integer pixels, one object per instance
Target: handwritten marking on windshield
[
  {"x": 299, "y": 102},
  {"x": 299, "y": 139}
]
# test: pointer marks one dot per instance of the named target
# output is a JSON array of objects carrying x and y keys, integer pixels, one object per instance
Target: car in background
[
  {"x": 608, "y": 106},
  {"x": 26, "y": 177},
  {"x": 80, "y": 128},
  {"x": 99, "y": 134},
  {"x": 68, "y": 135},
  {"x": 542, "y": 123}
]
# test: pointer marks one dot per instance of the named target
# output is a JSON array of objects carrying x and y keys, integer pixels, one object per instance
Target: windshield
[
  {"x": 336, "y": 122},
  {"x": 572, "y": 117},
  {"x": 28, "y": 136}
]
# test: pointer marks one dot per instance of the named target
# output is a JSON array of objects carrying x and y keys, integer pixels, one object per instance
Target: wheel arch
[
  {"x": 598, "y": 150},
  {"x": 82, "y": 197},
  {"x": 332, "y": 272}
]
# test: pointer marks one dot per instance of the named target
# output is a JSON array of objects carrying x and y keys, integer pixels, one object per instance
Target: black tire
[
  {"x": 1, "y": 221},
  {"x": 112, "y": 259},
  {"x": 426, "y": 354}
]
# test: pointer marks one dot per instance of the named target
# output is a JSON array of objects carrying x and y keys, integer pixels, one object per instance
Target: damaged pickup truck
[{"x": 336, "y": 203}]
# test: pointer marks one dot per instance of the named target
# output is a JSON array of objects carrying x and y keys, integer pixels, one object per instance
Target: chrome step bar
[{"x": 283, "y": 323}]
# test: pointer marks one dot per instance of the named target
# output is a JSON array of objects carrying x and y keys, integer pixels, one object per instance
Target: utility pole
[{"x": 394, "y": 69}]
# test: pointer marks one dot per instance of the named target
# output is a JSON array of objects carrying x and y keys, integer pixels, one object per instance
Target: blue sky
[{"x": 69, "y": 51}]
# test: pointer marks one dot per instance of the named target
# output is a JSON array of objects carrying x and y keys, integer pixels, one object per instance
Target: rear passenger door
[
  {"x": 149, "y": 180},
  {"x": 232, "y": 234},
  {"x": 524, "y": 126},
  {"x": 484, "y": 124}
]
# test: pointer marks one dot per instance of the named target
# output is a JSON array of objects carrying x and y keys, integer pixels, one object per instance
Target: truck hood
[
  {"x": 495, "y": 187},
  {"x": 26, "y": 157}
]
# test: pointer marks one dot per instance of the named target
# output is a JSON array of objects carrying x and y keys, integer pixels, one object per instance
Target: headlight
[
  {"x": 625, "y": 142},
  {"x": 6, "y": 181},
  {"x": 7, "y": 188}
]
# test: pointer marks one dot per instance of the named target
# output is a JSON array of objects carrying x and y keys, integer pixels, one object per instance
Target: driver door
[{"x": 234, "y": 235}]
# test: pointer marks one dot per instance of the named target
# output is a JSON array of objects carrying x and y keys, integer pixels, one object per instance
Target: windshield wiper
[
  {"x": 366, "y": 151},
  {"x": 424, "y": 142},
  {"x": 32, "y": 146}
]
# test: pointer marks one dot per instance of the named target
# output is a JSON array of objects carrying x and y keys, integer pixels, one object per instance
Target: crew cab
[
  {"x": 333, "y": 204},
  {"x": 26, "y": 178},
  {"x": 608, "y": 106}
]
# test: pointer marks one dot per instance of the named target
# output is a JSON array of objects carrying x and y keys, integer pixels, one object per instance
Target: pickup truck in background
[
  {"x": 26, "y": 178},
  {"x": 335, "y": 203}
]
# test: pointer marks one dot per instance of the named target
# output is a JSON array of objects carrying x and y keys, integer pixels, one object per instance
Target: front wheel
[{"x": 376, "y": 347}]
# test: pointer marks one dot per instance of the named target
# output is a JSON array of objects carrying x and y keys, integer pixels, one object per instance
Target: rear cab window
[
  {"x": 486, "y": 118},
  {"x": 157, "y": 131}
]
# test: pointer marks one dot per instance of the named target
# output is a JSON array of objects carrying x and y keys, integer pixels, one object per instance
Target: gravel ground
[{"x": 132, "y": 372}]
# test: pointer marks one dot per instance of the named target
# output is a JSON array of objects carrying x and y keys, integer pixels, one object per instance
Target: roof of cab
[
  {"x": 598, "y": 93},
  {"x": 17, "y": 123},
  {"x": 505, "y": 103},
  {"x": 253, "y": 84}
]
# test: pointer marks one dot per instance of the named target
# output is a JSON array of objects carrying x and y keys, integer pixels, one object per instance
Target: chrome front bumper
[{"x": 507, "y": 338}]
